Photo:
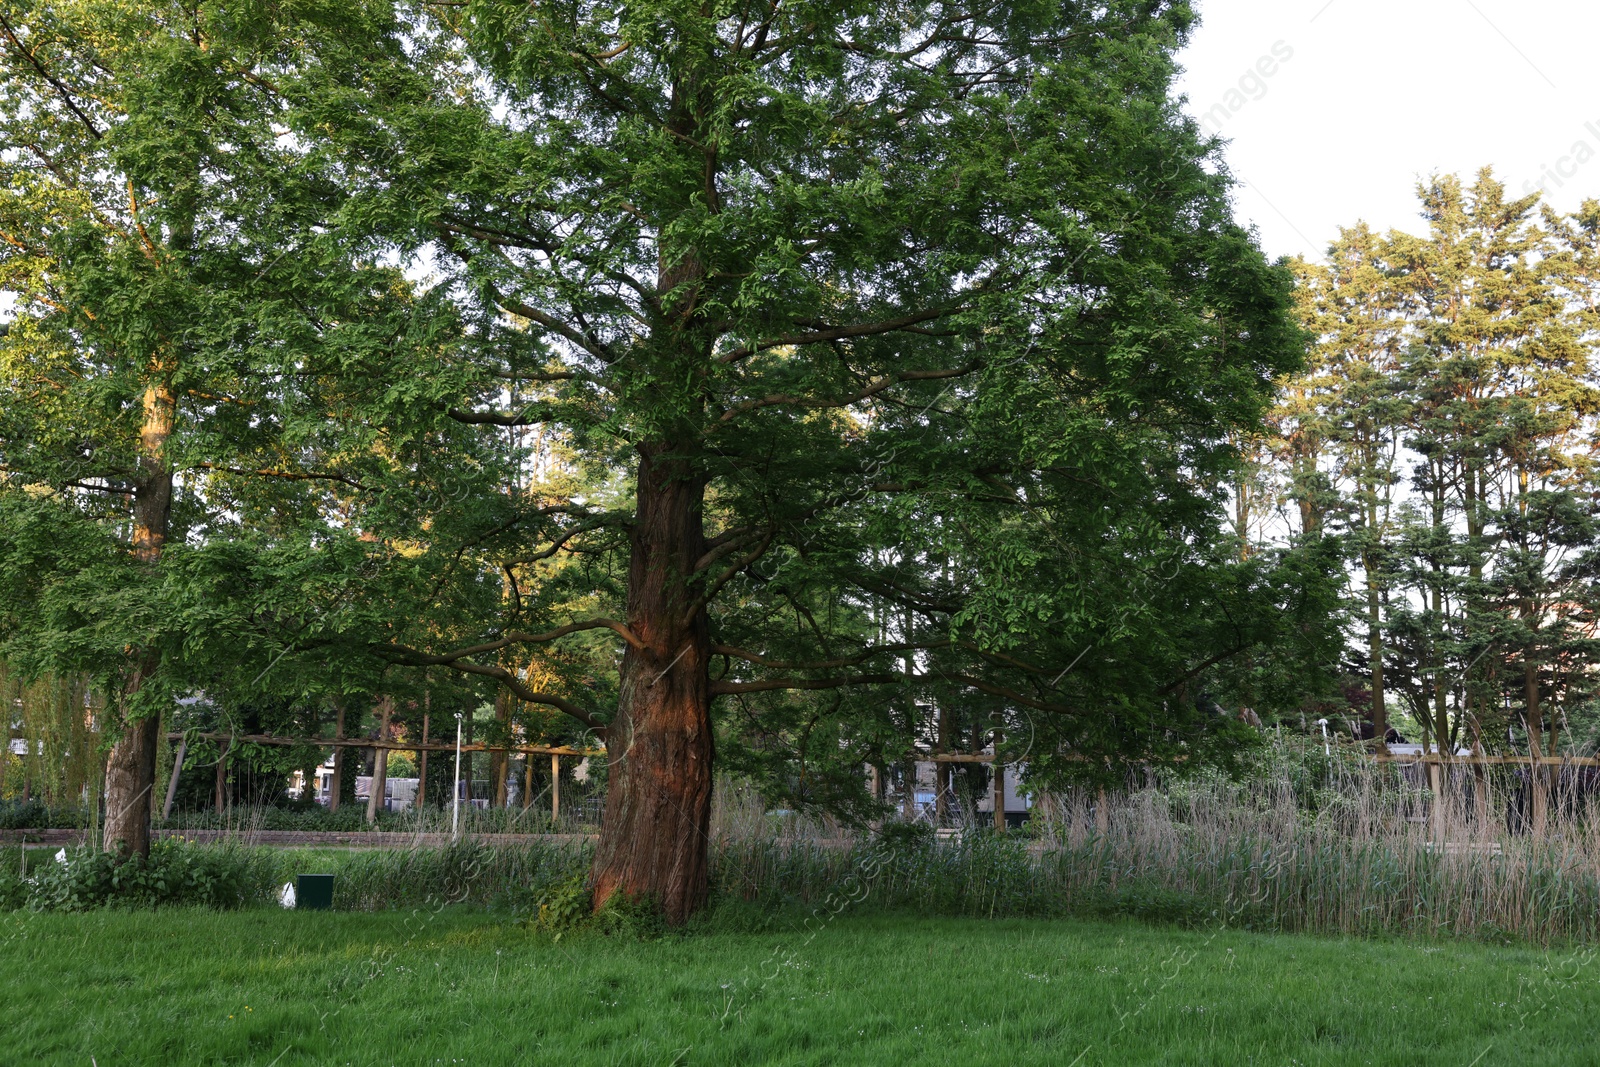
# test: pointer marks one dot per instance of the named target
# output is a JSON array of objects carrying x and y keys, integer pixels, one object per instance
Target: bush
[
  {"x": 35, "y": 815},
  {"x": 13, "y": 890},
  {"x": 563, "y": 906},
  {"x": 176, "y": 873},
  {"x": 566, "y": 907}
]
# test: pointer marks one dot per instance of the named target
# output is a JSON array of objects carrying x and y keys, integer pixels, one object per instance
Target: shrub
[
  {"x": 563, "y": 906},
  {"x": 35, "y": 815},
  {"x": 176, "y": 873},
  {"x": 13, "y": 890}
]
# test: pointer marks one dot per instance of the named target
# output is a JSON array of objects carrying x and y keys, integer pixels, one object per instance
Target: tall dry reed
[{"x": 1329, "y": 843}]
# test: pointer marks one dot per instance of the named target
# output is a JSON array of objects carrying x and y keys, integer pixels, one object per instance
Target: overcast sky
[{"x": 1377, "y": 94}]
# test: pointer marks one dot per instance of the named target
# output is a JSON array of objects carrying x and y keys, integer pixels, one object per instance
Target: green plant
[
  {"x": 13, "y": 884},
  {"x": 175, "y": 873},
  {"x": 563, "y": 906}
]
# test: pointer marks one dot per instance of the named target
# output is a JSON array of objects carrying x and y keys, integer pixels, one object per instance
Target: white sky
[{"x": 1381, "y": 93}]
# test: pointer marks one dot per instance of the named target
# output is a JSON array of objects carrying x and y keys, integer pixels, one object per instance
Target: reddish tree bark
[{"x": 654, "y": 838}]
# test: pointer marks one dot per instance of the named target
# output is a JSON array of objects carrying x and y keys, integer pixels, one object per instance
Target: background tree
[
  {"x": 165, "y": 406},
  {"x": 1348, "y": 410},
  {"x": 1484, "y": 402}
]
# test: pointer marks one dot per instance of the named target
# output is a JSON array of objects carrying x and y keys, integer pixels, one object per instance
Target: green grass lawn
[{"x": 458, "y": 987}]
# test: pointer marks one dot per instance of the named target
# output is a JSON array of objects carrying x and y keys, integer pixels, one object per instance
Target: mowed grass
[{"x": 458, "y": 987}]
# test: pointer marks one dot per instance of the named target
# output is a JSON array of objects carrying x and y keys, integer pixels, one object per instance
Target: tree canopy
[
  {"x": 764, "y": 371},
  {"x": 1449, "y": 412}
]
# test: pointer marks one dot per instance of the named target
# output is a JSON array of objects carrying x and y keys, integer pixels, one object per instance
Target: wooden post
[
  {"x": 422, "y": 757},
  {"x": 380, "y": 762},
  {"x": 527, "y": 780},
  {"x": 222, "y": 774},
  {"x": 942, "y": 771},
  {"x": 500, "y": 759},
  {"x": 908, "y": 799},
  {"x": 1102, "y": 813},
  {"x": 336, "y": 785},
  {"x": 1480, "y": 796},
  {"x": 999, "y": 786},
  {"x": 172, "y": 779},
  {"x": 1436, "y": 784},
  {"x": 555, "y": 788}
]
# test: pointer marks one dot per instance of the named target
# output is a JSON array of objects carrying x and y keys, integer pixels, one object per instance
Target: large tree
[
  {"x": 164, "y": 377},
  {"x": 918, "y": 334},
  {"x": 896, "y": 354}
]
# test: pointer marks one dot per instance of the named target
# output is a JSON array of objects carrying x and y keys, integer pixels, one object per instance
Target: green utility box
[{"x": 313, "y": 891}]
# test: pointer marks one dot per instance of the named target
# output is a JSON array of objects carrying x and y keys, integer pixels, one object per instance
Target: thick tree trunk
[
  {"x": 380, "y": 763},
  {"x": 131, "y": 767},
  {"x": 653, "y": 841},
  {"x": 130, "y": 781}
]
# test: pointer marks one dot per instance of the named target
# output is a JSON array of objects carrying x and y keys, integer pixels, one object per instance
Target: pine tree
[{"x": 1351, "y": 405}]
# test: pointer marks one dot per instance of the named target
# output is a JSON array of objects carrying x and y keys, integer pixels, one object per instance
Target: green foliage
[
  {"x": 936, "y": 320},
  {"x": 564, "y": 906},
  {"x": 36, "y": 815},
  {"x": 567, "y": 907},
  {"x": 174, "y": 874},
  {"x": 1444, "y": 431}
]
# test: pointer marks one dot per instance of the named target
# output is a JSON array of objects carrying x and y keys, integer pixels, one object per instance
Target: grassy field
[{"x": 469, "y": 987}]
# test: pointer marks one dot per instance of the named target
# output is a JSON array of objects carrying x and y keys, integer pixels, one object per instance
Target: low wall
[{"x": 303, "y": 838}]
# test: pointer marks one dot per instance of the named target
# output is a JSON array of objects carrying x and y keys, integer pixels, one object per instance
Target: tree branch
[
  {"x": 871, "y": 389},
  {"x": 1190, "y": 676},
  {"x": 733, "y": 568},
  {"x": 836, "y": 333},
  {"x": 766, "y": 685},
  {"x": 610, "y": 518},
  {"x": 526, "y": 417},
  {"x": 528, "y": 311},
  {"x": 415, "y": 658},
  {"x": 293, "y": 476},
  {"x": 66, "y": 97},
  {"x": 532, "y": 696},
  {"x": 825, "y": 665}
]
